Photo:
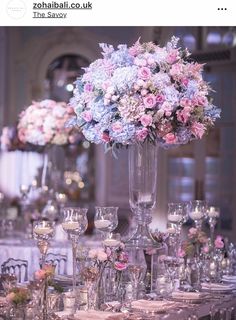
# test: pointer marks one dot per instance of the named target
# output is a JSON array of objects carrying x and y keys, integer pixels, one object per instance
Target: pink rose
[
  {"x": 185, "y": 102},
  {"x": 10, "y": 297},
  {"x": 40, "y": 274},
  {"x": 120, "y": 265},
  {"x": 142, "y": 134},
  {"x": 101, "y": 255},
  {"x": 170, "y": 138},
  {"x": 184, "y": 81},
  {"x": 160, "y": 98},
  {"x": 181, "y": 253},
  {"x": 105, "y": 137},
  {"x": 183, "y": 115},
  {"x": 172, "y": 56},
  {"x": 149, "y": 101},
  {"x": 92, "y": 254},
  {"x": 206, "y": 249},
  {"x": 198, "y": 129},
  {"x": 146, "y": 120},
  {"x": 88, "y": 87},
  {"x": 176, "y": 70},
  {"x": 87, "y": 116},
  {"x": 202, "y": 101},
  {"x": 117, "y": 126},
  {"x": 192, "y": 232},
  {"x": 219, "y": 243},
  {"x": 144, "y": 73}
]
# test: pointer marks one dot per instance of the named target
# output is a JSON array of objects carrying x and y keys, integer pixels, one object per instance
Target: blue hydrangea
[
  {"x": 128, "y": 133},
  {"x": 212, "y": 111},
  {"x": 192, "y": 89},
  {"x": 124, "y": 78}
]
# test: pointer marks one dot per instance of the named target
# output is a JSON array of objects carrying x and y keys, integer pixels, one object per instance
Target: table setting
[{"x": 140, "y": 98}]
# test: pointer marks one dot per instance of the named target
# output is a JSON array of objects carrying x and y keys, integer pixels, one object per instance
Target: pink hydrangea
[{"x": 117, "y": 126}]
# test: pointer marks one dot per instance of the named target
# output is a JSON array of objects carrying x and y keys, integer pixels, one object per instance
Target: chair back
[
  {"x": 59, "y": 261},
  {"x": 17, "y": 267}
]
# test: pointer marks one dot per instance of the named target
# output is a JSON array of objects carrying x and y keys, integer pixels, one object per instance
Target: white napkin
[
  {"x": 218, "y": 286},
  {"x": 187, "y": 295},
  {"x": 152, "y": 305},
  {"x": 97, "y": 315},
  {"x": 229, "y": 278}
]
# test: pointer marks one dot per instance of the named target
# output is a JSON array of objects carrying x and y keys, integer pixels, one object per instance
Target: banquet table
[{"x": 179, "y": 312}]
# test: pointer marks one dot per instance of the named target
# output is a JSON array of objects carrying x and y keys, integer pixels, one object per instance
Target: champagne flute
[{"x": 74, "y": 223}]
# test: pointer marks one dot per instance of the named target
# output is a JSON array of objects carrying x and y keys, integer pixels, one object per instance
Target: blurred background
[{"x": 43, "y": 62}]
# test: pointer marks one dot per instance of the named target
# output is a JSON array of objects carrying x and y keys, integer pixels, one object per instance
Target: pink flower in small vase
[
  {"x": 206, "y": 249},
  {"x": 40, "y": 274},
  {"x": 219, "y": 243},
  {"x": 101, "y": 255},
  {"x": 192, "y": 232},
  {"x": 10, "y": 297},
  {"x": 181, "y": 253},
  {"x": 92, "y": 254},
  {"x": 120, "y": 265}
]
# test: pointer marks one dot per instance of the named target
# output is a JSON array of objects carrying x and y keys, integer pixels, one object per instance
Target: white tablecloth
[{"x": 28, "y": 250}]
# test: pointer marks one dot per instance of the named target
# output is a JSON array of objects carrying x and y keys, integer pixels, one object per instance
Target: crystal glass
[
  {"x": 112, "y": 241},
  {"x": 213, "y": 213},
  {"x": 106, "y": 219},
  {"x": 43, "y": 232},
  {"x": 74, "y": 223},
  {"x": 142, "y": 191},
  {"x": 177, "y": 214},
  {"x": 137, "y": 268},
  {"x": 197, "y": 211}
]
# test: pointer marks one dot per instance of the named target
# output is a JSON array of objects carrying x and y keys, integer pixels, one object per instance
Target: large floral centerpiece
[
  {"x": 43, "y": 123},
  {"x": 143, "y": 92}
]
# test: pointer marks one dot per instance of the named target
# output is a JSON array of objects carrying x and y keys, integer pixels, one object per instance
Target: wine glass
[
  {"x": 106, "y": 219},
  {"x": 213, "y": 214},
  {"x": 197, "y": 211},
  {"x": 43, "y": 231},
  {"x": 74, "y": 223},
  {"x": 137, "y": 268}
]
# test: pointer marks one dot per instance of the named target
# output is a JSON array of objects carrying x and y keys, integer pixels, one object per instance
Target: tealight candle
[
  {"x": 43, "y": 230},
  {"x": 101, "y": 224},
  {"x": 174, "y": 217},
  {"x": 70, "y": 225},
  {"x": 171, "y": 230},
  {"x": 111, "y": 242},
  {"x": 196, "y": 215},
  {"x": 213, "y": 213}
]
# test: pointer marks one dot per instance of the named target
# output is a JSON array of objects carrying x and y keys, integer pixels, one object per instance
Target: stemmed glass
[
  {"x": 105, "y": 219},
  {"x": 176, "y": 216},
  {"x": 137, "y": 268},
  {"x": 213, "y": 214},
  {"x": 197, "y": 211},
  {"x": 43, "y": 231},
  {"x": 74, "y": 223}
]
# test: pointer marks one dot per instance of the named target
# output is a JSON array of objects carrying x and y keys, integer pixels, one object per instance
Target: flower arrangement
[
  {"x": 143, "y": 92},
  {"x": 196, "y": 239},
  {"x": 18, "y": 296},
  {"x": 47, "y": 271},
  {"x": 43, "y": 123},
  {"x": 219, "y": 242}
]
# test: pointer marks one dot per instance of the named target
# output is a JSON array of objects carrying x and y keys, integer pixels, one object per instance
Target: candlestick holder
[{"x": 197, "y": 212}]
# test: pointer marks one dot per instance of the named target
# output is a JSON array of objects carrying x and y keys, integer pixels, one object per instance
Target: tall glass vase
[{"x": 142, "y": 191}]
